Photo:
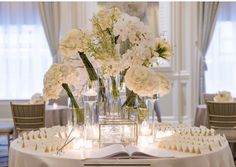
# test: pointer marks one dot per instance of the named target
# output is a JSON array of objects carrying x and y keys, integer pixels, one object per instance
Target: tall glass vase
[
  {"x": 91, "y": 113},
  {"x": 73, "y": 114},
  {"x": 145, "y": 121},
  {"x": 114, "y": 101}
]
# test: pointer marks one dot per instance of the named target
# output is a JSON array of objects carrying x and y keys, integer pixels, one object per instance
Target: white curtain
[
  {"x": 50, "y": 16},
  {"x": 207, "y": 13},
  {"x": 24, "y": 53},
  {"x": 153, "y": 18},
  {"x": 221, "y": 55},
  {"x": 80, "y": 15}
]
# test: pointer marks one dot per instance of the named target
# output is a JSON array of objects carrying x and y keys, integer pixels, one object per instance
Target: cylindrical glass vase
[{"x": 114, "y": 101}]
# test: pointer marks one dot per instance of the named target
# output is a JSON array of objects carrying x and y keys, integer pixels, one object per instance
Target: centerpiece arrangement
[{"x": 109, "y": 68}]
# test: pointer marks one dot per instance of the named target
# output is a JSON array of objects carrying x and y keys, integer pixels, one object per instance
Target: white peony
[
  {"x": 223, "y": 96},
  {"x": 37, "y": 98}
]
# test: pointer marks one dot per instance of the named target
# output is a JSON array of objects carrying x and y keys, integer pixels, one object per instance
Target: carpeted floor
[{"x": 3, "y": 152}]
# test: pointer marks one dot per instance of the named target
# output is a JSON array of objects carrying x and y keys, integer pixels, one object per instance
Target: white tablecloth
[
  {"x": 19, "y": 157},
  {"x": 201, "y": 116},
  {"x": 56, "y": 115}
]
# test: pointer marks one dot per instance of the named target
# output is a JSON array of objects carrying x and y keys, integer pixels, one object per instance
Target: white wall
[{"x": 179, "y": 20}]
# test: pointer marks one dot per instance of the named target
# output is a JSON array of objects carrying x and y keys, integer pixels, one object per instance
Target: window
[
  {"x": 24, "y": 52},
  {"x": 221, "y": 55}
]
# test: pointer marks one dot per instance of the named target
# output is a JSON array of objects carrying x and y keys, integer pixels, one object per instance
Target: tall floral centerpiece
[{"x": 122, "y": 48}]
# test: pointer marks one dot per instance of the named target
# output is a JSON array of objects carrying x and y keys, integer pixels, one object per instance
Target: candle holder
[
  {"x": 120, "y": 131},
  {"x": 90, "y": 114}
]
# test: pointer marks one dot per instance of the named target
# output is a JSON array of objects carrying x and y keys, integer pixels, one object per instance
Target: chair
[
  {"x": 222, "y": 118},
  {"x": 6, "y": 130},
  {"x": 28, "y": 117},
  {"x": 208, "y": 97}
]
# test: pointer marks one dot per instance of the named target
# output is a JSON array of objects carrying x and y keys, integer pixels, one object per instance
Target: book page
[
  {"x": 132, "y": 149},
  {"x": 149, "y": 152},
  {"x": 112, "y": 151}
]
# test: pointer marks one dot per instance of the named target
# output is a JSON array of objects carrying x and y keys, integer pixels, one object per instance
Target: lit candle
[
  {"x": 145, "y": 130},
  {"x": 79, "y": 143},
  {"x": 54, "y": 105},
  {"x": 93, "y": 132},
  {"x": 88, "y": 144},
  {"x": 90, "y": 92},
  {"x": 145, "y": 140}
]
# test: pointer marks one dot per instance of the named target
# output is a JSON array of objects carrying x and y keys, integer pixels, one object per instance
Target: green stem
[
  {"x": 79, "y": 112},
  {"x": 89, "y": 67},
  {"x": 122, "y": 76},
  {"x": 102, "y": 90},
  {"x": 131, "y": 97},
  {"x": 115, "y": 92}
]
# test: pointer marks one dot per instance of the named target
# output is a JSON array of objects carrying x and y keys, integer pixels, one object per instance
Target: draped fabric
[
  {"x": 207, "y": 14},
  {"x": 220, "y": 57},
  {"x": 50, "y": 16},
  {"x": 24, "y": 53},
  {"x": 80, "y": 15}
]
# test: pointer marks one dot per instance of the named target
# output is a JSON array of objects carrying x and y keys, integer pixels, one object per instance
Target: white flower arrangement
[
  {"x": 223, "y": 96},
  {"x": 118, "y": 42}
]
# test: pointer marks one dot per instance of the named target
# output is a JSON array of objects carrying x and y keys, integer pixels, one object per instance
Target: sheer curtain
[
  {"x": 50, "y": 16},
  {"x": 207, "y": 14},
  {"x": 24, "y": 53},
  {"x": 221, "y": 55}
]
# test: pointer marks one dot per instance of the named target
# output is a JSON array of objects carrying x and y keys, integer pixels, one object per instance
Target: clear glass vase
[
  {"x": 91, "y": 114},
  {"x": 146, "y": 122},
  {"x": 74, "y": 114},
  {"x": 113, "y": 97}
]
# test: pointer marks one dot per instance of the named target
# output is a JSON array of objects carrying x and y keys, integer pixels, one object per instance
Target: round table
[
  {"x": 20, "y": 157},
  {"x": 56, "y": 115}
]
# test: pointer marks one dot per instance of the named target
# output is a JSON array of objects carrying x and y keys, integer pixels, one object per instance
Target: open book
[{"x": 119, "y": 151}]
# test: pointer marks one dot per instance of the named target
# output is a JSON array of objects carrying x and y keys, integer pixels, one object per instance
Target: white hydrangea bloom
[
  {"x": 74, "y": 41},
  {"x": 145, "y": 82},
  {"x": 141, "y": 80},
  {"x": 136, "y": 55},
  {"x": 61, "y": 73}
]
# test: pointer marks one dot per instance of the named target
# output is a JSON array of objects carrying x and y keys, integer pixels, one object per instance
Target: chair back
[
  {"x": 28, "y": 117},
  {"x": 221, "y": 115},
  {"x": 209, "y": 97}
]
